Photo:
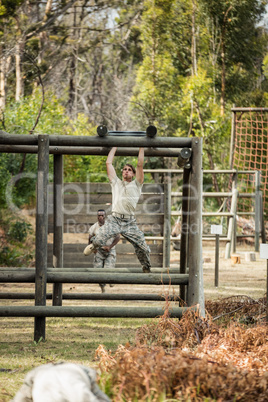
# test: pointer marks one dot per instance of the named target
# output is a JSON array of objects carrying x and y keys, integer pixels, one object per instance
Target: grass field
[{"x": 76, "y": 339}]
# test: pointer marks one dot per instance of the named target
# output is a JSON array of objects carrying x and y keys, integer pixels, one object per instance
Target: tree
[
  {"x": 157, "y": 89},
  {"x": 234, "y": 24},
  {"x": 8, "y": 9}
]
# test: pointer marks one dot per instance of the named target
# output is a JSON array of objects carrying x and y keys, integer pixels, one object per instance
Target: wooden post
[
  {"x": 231, "y": 226},
  {"x": 58, "y": 225},
  {"x": 266, "y": 292},
  {"x": 257, "y": 209},
  {"x": 217, "y": 254},
  {"x": 234, "y": 210},
  {"x": 263, "y": 254},
  {"x": 167, "y": 221},
  {"x": 232, "y": 139},
  {"x": 184, "y": 228},
  {"x": 196, "y": 288},
  {"x": 263, "y": 232},
  {"x": 41, "y": 234}
]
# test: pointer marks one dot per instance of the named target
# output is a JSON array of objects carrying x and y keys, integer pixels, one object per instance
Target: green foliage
[
  {"x": 19, "y": 230},
  {"x": 237, "y": 38},
  {"x": 83, "y": 168},
  {"x": 16, "y": 240},
  {"x": 9, "y": 257},
  {"x": 164, "y": 60},
  {"x": 157, "y": 85},
  {"x": 265, "y": 66},
  {"x": 18, "y": 187},
  {"x": 20, "y": 117},
  {"x": 8, "y": 7}
]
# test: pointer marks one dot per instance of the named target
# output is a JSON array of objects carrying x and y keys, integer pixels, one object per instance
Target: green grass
[{"x": 67, "y": 339}]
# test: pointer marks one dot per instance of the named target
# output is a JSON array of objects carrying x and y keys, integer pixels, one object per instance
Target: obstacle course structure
[{"x": 191, "y": 236}]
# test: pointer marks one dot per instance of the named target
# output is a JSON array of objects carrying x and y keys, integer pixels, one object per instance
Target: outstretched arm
[
  {"x": 139, "y": 169},
  {"x": 109, "y": 164}
]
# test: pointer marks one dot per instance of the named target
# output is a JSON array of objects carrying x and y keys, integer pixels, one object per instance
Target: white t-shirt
[{"x": 125, "y": 196}]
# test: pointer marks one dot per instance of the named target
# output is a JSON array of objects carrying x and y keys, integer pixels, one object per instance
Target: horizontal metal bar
[
  {"x": 249, "y": 109},
  {"x": 204, "y": 171},
  {"x": 163, "y": 171},
  {"x": 175, "y": 213},
  {"x": 217, "y": 214},
  {"x": 97, "y": 141},
  {"x": 207, "y": 238},
  {"x": 216, "y": 195},
  {"x": 246, "y": 235},
  {"x": 226, "y": 238},
  {"x": 124, "y": 278},
  {"x": 95, "y": 270},
  {"x": 33, "y": 149},
  {"x": 88, "y": 311},
  {"x": 127, "y": 133},
  {"x": 92, "y": 296},
  {"x": 246, "y": 213}
]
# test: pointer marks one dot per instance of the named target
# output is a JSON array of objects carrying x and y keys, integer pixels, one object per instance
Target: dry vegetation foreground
[{"x": 223, "y": 357}]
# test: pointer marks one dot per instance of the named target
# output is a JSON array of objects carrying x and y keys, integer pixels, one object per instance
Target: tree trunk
[
  {"x": 193, "y": 49},
  {"x": 43, "y": 35},
  {"x": 72, "y": 103},
  {"x": 223, "y": 73},
  {"x": 2, "y": 82},
  {"x": 19, "y": 48},
  {"x": 18, "y": 73}
]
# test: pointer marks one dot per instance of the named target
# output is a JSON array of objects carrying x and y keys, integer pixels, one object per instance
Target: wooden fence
[{"x": 81, "y": 202}]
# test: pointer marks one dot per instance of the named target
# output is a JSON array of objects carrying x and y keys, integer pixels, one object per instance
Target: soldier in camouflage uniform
[
  {"x": 105, "y": 256},
  {"x": 125, "y": 196}
]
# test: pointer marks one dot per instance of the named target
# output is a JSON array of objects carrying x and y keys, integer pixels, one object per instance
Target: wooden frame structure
[{"x": 191, "y": 236}]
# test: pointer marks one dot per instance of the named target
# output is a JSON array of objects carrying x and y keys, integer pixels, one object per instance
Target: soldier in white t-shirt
[
  {"x": 105, "y": 256},
  {"x": 125, "y": 196}
]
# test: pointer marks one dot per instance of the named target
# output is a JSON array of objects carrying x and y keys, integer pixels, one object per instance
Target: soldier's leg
[
  {"x": 99, "y": 262},
  {"x": 110, "y": 263},
  {"x": 136, "y": 237}
]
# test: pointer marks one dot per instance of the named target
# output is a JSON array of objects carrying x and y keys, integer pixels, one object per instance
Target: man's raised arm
[
  {"x": 109, "y": 164},
  {"x": 139, "y": 169}
]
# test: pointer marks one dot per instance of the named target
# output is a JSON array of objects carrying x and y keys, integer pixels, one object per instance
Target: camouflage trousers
[
  {"x": 104, "y": 259},
  {"x": 129, "y": 230}
]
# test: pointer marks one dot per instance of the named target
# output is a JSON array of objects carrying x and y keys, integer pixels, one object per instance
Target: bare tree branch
[{"x": 50, "y": 20}]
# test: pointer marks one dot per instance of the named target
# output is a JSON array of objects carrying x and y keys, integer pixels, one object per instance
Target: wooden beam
[
  {"x": 94, "y": 296},
  {"x": 88, "y": 141},
  {"x": 86, "y": 277},
  {"x": 70, "y": 150},
  {"x": 69, "y": 311}
]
